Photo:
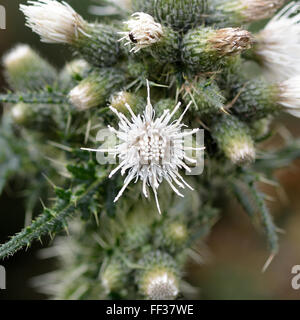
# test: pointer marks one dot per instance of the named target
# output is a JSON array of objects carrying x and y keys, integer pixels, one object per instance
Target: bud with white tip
[
  {"x": 112, "y": 275},
  {"x": 72, "y": 72},
  {"x": 25, "y": 69},
  {"x": 259, "y": 98},
  {"x": 234, "y": 140},
  {"x": 39, "y": 117},
  {"x": 245, "y": 11},
  {"x": 207, "y": 49},
  {"x": 94, "y": 90},
  {"x": 119, "y": 100}
]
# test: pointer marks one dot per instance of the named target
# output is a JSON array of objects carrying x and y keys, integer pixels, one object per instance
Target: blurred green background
[{"x": 229, "y": 263}]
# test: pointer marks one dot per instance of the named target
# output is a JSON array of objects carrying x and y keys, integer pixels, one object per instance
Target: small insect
[{"x": 132, "y": 38}]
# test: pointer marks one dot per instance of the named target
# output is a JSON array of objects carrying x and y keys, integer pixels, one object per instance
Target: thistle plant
[{"x": 111, "y": 145}]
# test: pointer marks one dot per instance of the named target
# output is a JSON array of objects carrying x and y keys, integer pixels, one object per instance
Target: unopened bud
[
  {"x": 95, "y": 89},
  {"x": 234, "y": 139},
  {"x": 179, "y": 15},
  {"x": 72, "y": 72},
  {"x": 206, "y": 96},
  {"x": 25, "y": 69},
  {"x": 112, "y": 276},
  {"x": 121, "y": 98},
  {"x": 208, "y": 49},
  {"x": 244, "y": 11}
]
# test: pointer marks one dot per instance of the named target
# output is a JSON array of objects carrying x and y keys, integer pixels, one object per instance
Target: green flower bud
[
  {"x": 94, "y": 90},
  {"x": 173, "y": 235},
  {"x": 164, "y": 104},
  {"x": 25, "y": 69},
  {"x": 121, "y": 98},
  {"x": 245, "y": 11},
  {"x": 72, "y": 72},
  {"x": 99, "y": 46},
  {"x": 38, "y": 117},
  {"x": 112, "y": 275},
  {"x": 205, "y": 95},
  {"x": 158, "y": 280},
  {"x": 179, "y": 14},
  {"x": 256, "y": 99},
  {"x": 206, "y": 49},
  {"x": 260, "y": 128},
  {"x": 234, "y": 139}
]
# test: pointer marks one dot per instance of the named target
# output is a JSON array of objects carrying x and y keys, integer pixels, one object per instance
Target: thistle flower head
[
  {"x": 160, "y": 284},
  {"x": 55, "y": 22},
  {"x": 150, "y": 149},
  {"x": 252, "y": 10},
  {"x": 142, "y": 32},
  {"x": 230, "y": 41},
  {"x": 289, "y": 96},
  {"x": 278, "y": 44}
]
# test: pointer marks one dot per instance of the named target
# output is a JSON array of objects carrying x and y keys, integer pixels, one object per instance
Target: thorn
[
  {"x": 42, "y": 203},
  {"x": 67, "y": 230},
  {"x": 49, "y": 181},
  {"x": 279, "y": 230},
  {"x": 225, "y": 111},
  {"x": 268, "y": 262},
  {"x": 96, "y": 218}
]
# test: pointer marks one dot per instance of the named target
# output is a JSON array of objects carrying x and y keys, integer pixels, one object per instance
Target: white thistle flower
[
  {"x": 55, "y": 22},
  {"x": 151, "y": 149},
  {"x": 143, "y": 31},
  {"x": 289, "y": 96},
  {"x": 278, "y": 44},
  {"x": 161, "y": 285}
]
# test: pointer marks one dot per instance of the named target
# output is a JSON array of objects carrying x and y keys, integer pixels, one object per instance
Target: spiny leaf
[
  {"x": 254, "y": 204},
  {"x": 49, "y": 222}
]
